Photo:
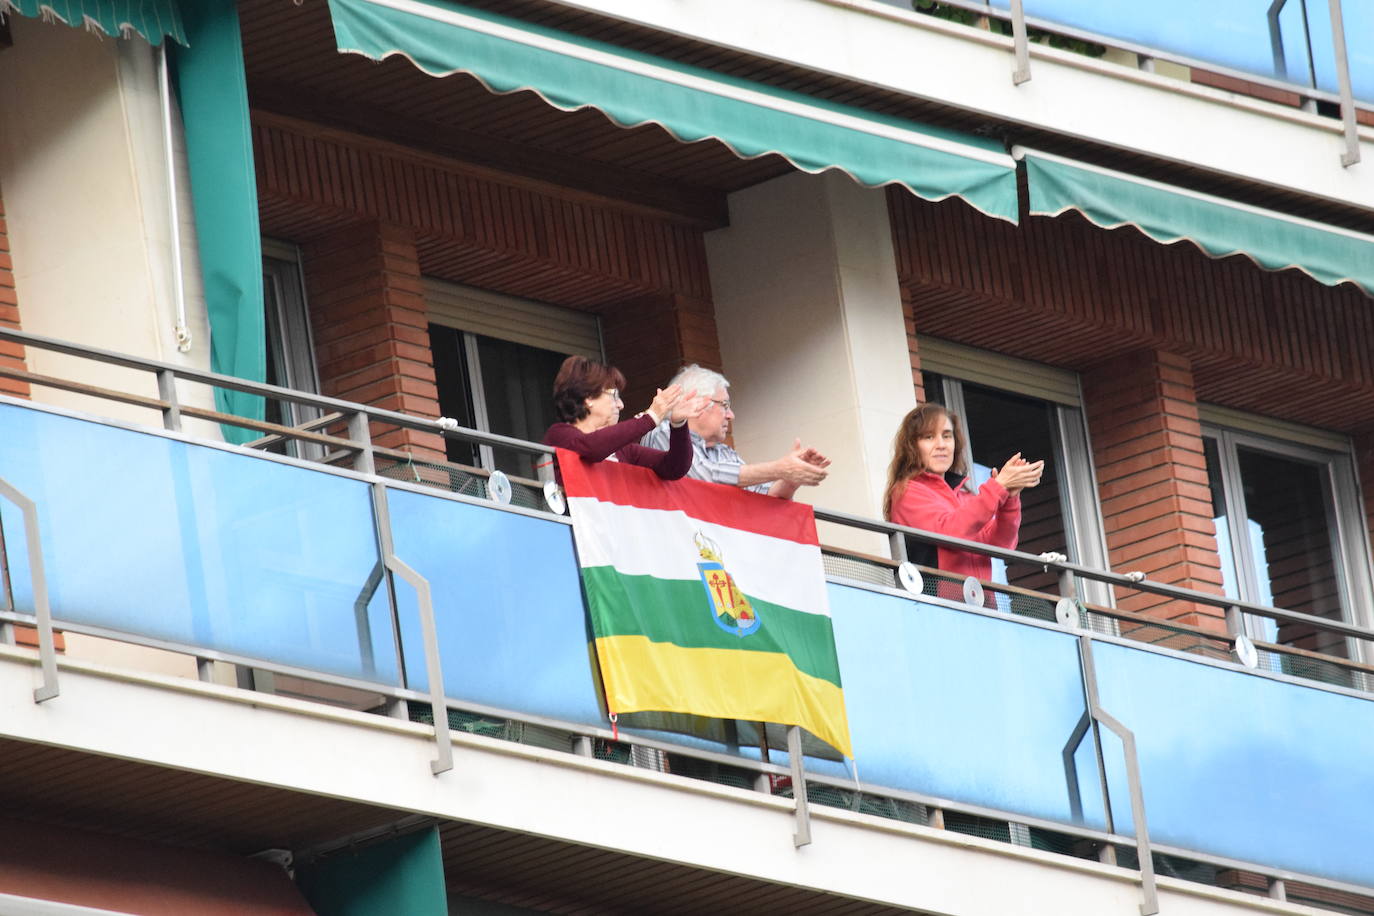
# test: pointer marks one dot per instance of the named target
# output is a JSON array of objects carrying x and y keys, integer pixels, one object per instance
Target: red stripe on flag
[{"x": 628, "y": 485}]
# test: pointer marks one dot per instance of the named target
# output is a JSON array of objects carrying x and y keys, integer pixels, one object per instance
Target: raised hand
[
  {"x": 664, "y": 401},
  {"x": 689, "y": 408},
  {"x": 1018, "y": 473},
  {"x": 802, "y": 466}
]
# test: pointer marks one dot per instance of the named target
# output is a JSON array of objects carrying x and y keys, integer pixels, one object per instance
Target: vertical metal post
[
  {"x": 1352, "y": 135},
  {"x": 1021, "y": 44},
  {"x": 897, "y": 544},
  {"x": 1235, "y": 623},
  {"x": 443, "y": 761},
  {"x": 1149, "y": 892},
  {"x": 167, "y": 391},
  {"x": 802, "y": 835},
  {"x": 47, "y": 649},
  {"x": 360, "y": 431}
]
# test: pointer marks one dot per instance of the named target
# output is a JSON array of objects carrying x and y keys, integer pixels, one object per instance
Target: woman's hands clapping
[
  {"x": 665, "y": 399},
  {"x": 1018, "y": 473}
]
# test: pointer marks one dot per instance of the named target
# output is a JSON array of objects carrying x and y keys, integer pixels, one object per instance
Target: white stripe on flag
[{"x": 661, "y": 543}]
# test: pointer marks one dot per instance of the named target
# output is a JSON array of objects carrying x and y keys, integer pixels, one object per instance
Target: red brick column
[
  {"x": 367, "y": 311},
  {"x": 1152, "y": 479},
  {"x": 650, "y": 339},
  {"x": 11, "y": 354}
]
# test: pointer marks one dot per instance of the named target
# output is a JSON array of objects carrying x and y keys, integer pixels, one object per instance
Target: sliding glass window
[{"x": 1289, "y": 533}]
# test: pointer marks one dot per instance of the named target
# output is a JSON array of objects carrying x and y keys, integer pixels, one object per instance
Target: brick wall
[
  {"x": 11, "y": 354},
  {"x": 373, "y": 217},
  {"x": 367, "y": 311},
  {"x": 649, "y": 340},
  {"x": 1142, "y": 416}
]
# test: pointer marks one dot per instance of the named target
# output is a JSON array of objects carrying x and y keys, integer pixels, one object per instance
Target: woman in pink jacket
[{"x": 928, "y": 488}]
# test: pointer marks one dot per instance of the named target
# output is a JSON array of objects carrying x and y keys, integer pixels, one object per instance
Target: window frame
[
  {"x": 1085, "y": 529},
  {"x": 1344, "y": 511},
  {"x": 289, "y": 336},
  {"x": 474, "y": 312}
]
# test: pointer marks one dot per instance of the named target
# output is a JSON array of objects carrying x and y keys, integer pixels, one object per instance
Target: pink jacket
[{"x": 990, "y": 516}]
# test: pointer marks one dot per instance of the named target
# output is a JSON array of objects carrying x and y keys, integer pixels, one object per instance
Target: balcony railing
[
  {"x": 959, "y": 714},
  {"x": 1297, "y": 47}
]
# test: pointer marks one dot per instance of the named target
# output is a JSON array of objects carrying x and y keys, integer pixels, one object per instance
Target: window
[
  {"x": 1011, "y": 406},
  {"x": 495, "y": 359},
  {"x": 290, "y": 347},
  {"x": 1288, "y": 527}
]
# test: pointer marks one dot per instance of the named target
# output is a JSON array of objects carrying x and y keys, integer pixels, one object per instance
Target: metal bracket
[
  {"x": 802, "y": 835},
  {"x": 167, "y": 391},
  {"x": 443, "y": 740},
  {"x": 1352, "y": 134},
  {"x": 47, "y": 649},
  {"x": 1021, "y": 44},
  {"x": 1149, "y": 892}
]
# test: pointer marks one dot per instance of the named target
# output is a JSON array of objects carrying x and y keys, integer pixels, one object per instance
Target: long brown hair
[
  {"x": 580, "y": 378},
  {"x": 906, "y": 457}
]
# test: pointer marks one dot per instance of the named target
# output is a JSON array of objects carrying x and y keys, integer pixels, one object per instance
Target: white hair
[{"x": 698, "y": 381}]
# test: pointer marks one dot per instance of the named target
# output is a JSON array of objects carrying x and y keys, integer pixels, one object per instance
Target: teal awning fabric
[
  {"x": 153, "y": 19},
  {"x": 219, "y": 149},
  {"x": 691, "y": 103},
  {"x": 1274, "y": 241},
  {"x": 404, "y": 874}
]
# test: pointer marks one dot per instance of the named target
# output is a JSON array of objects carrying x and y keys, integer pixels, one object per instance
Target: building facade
[{"x": 1104, "y": 248}]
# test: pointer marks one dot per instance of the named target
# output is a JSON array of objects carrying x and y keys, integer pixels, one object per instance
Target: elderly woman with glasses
[{"x": 586, "y": 400}]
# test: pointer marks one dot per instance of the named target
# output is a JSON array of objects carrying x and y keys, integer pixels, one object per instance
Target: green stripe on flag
[{"x": 807, "y": 639}]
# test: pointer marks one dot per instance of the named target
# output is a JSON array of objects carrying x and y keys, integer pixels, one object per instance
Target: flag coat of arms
[{"x": 705, "y": 599}]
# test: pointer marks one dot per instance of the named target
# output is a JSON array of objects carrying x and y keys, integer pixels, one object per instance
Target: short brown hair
[
  {"x": 906, "y": 457},
  {"x": 580, "y": 378}
]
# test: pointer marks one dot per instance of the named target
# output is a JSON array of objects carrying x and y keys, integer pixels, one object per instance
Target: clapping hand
[
  {"x": 689, "y": 408},
  {"x": 803, "y": 466},
  {"x": 664, "y": 401},
  {"x": 1018, "y": 473}
]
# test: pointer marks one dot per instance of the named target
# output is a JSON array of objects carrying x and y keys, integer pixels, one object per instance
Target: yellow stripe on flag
[{"x": 640, "y": 675}]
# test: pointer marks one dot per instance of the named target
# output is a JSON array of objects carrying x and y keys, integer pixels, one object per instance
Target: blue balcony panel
[
  {"x": 964, "y": 706},
  {"x": 1243, "y": 766},
  {"x": 961, "y": 706},
  {"x": 508, "y": 606},
  {"x": 1228, "y": 34},
  {"x": 196, "y": 546}
]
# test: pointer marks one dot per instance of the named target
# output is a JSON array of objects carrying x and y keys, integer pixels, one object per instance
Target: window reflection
[
  {"x": 1283, "y": 552},
  {"x": 999, "y": 425}
]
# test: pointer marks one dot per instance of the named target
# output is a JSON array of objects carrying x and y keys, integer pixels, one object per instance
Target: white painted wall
[
  {"x": 83, "y": 173},
  {"x": 811, "y": 333},
  {"x": 84, "y": 179},
  {"x": 1068, "y": 93}
]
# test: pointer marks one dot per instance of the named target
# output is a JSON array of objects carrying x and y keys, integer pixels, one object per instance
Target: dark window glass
[
  {"x": 1291, "y": 541},
  {"x": 455, "y": 392},
  {"x": 998, "y": 426},
  {"x": 507, "y": 389},
  {"x": 517, "y": 386}
]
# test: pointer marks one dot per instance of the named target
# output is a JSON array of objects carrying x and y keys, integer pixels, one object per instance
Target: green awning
[
  {"x": 1274, "y": 241},
  {"x": 153, "y": 19},
  {"x": 219, "y": 150},
  {"x": 691, "y": 103}
]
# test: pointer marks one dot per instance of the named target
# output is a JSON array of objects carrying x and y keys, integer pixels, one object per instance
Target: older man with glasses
[{"x": 714, "y": 460}]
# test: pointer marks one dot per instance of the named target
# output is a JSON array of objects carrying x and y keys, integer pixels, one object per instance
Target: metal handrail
[
  {"x": 801, "y": 833},
  {"x": 1183, "y": 60},
  {"x": 1134, "y": 581}
]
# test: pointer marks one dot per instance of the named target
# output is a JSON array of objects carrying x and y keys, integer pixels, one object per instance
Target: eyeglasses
[
  {"x": 723, "y": 404},
  {"x": 614, "y": 393}
]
